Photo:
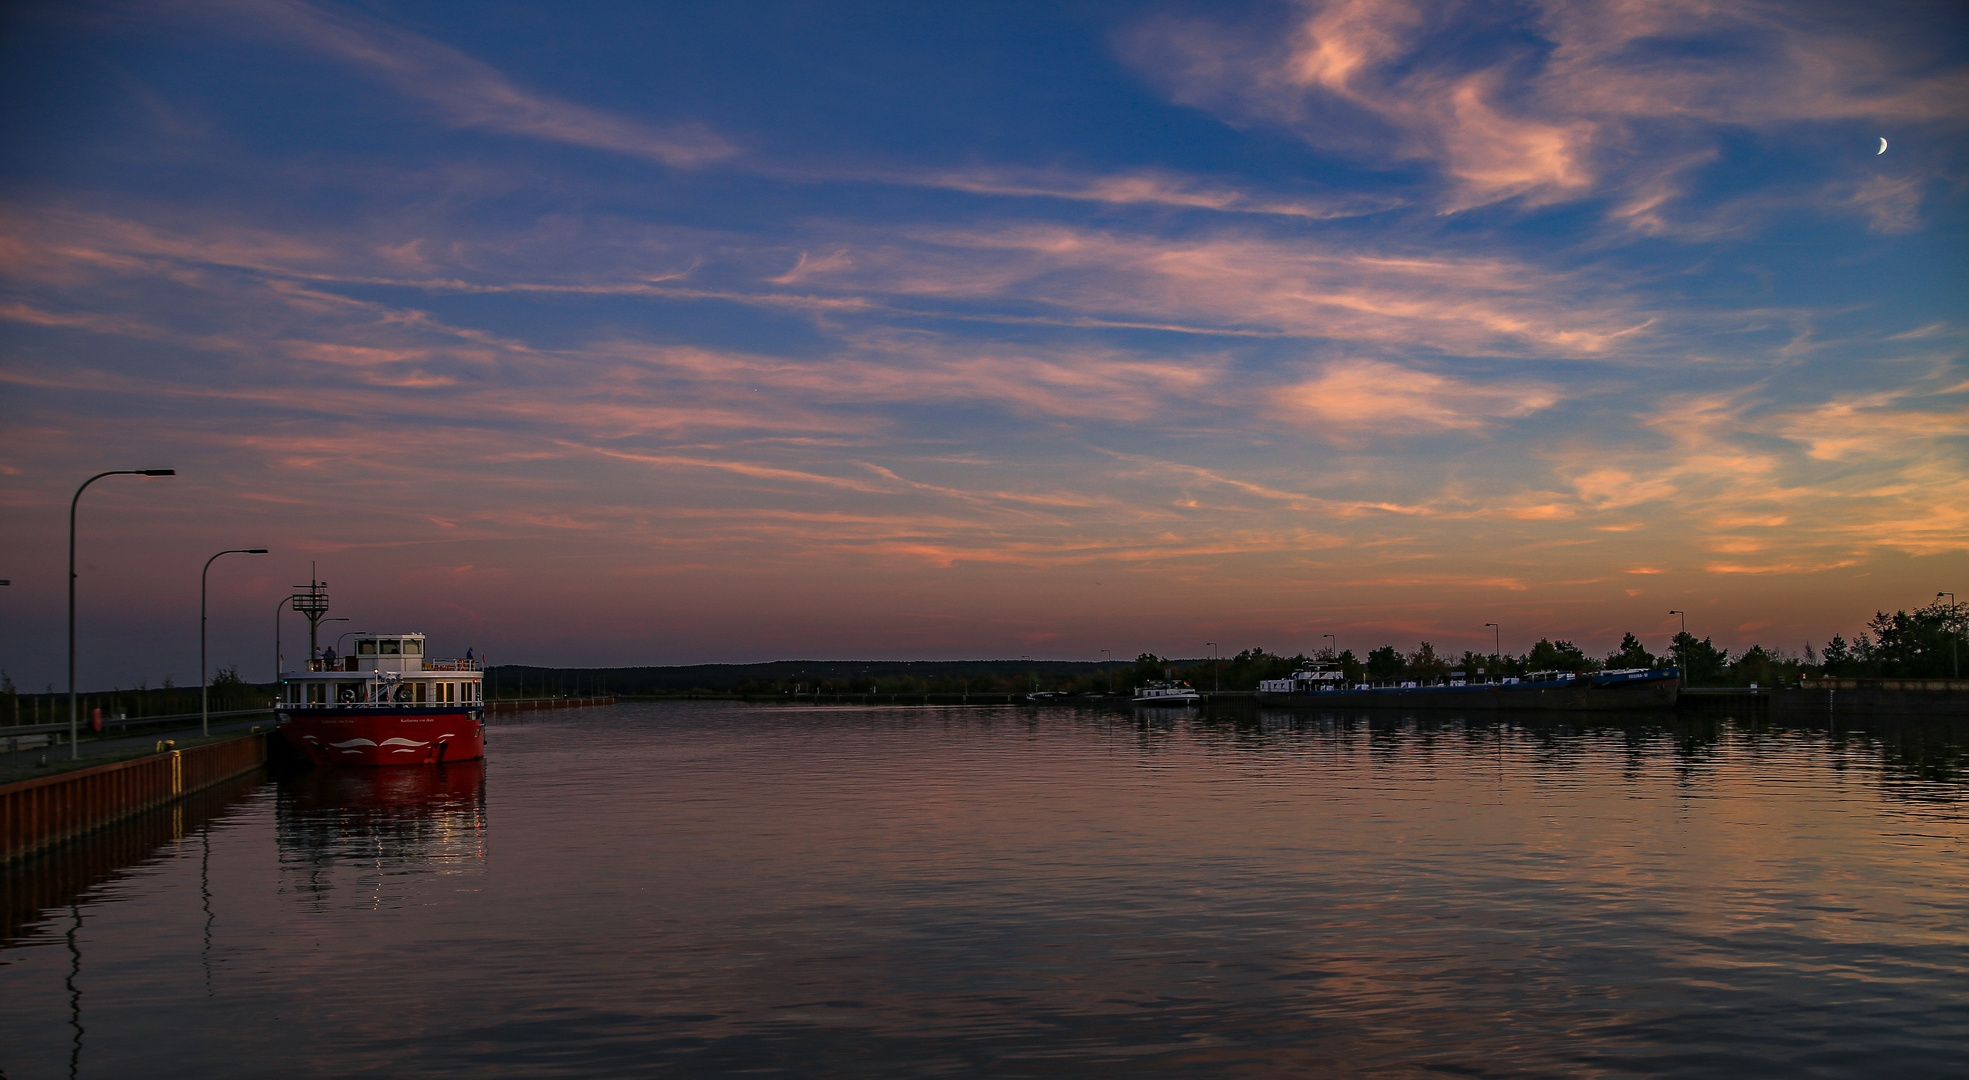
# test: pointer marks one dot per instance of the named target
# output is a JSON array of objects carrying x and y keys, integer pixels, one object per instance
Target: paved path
[{"x": 22, "y": 764}]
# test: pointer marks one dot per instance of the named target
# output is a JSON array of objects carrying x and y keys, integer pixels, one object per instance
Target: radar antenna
[{"x": 313, "y": 604}]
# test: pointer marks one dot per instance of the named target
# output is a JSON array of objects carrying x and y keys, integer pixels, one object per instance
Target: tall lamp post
[
  {"x": 204, "y": 672},
  {"x": 1216, "y": 684},
  {"x": 1106, "y": 659},
  {"x": 1954, "y": 634},
  {"x": 276, "y": 640},
  {"x": 1496, "y": 646},
  {"x": 1332, "y": 646},
  {"x": 1680, "y": 660},
  {"x": 74, "y": 751}
]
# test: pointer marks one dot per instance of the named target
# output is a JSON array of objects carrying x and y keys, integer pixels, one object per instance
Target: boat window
[
  {"x": 413, "y": 647},
  {"x": 390, "y": 646},
  {"x": 366, "y": 646}
]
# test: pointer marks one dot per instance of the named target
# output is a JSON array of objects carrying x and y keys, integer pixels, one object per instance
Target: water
[{"x": 714, "y": 889}]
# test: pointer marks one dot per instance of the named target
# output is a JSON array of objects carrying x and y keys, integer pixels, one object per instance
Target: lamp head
[
  {"x": 256, "y": 551},
  {"x": 157, "y": 472}
]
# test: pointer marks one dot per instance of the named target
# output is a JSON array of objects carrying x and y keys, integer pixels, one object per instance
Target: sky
[{"x": 655, "y": 333}]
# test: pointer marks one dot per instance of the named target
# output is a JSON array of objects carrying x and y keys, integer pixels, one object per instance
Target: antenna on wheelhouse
[{"x": 313, "y": 604}]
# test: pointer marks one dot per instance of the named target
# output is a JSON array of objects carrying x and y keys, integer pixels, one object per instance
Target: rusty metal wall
[{"x": 47, "y": 810}]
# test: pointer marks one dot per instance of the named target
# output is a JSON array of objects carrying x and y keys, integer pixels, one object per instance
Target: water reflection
[
  {"x": 365, "y": 836},
  {"x": 35, "y": 890},
  {"x": 707, "y": 890},
  {"x": 1913, "y": 757},
  {"x": 64, "y": 882}
]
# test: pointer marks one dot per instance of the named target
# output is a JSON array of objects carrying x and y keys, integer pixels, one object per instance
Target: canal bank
[{"x": 42, "y": 812}]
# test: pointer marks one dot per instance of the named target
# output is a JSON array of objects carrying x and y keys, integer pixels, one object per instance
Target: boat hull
[
  {"x": 1638, "y": 693},
  {"x": 391, "y": 735},
  {"x": 1171, "y": 700}
]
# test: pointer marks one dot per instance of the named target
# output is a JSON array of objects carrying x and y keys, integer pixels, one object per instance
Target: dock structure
[
  {"x": 1853, "y": 698},
  {"x": 39, "y": 813}
]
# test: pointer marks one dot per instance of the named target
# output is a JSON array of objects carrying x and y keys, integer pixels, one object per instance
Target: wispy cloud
[
  {"x": 1159, "y": 188},
  {"x": 1232, "y": 282},
  {"x": 462, "y": 90}
]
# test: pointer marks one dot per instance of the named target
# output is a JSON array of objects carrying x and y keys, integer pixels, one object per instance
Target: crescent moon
[{"x": 1882, "y": 150}]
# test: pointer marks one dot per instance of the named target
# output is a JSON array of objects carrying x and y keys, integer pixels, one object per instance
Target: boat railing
[{"x": 348, "y": 663}]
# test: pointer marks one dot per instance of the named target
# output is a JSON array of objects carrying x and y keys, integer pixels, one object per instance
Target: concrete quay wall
[{"x": 42, "y": 812}]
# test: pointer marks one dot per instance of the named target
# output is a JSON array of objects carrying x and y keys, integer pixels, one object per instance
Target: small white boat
[{"x": 1167, "y": 693}]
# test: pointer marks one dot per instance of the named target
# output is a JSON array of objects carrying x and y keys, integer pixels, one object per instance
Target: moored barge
[
  {"x": 387, "y": 703},
  {"x": 1169, "y": 692},
  {"x": 1325, "y": 687}
]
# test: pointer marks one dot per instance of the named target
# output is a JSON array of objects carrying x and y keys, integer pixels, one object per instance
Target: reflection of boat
[
  {"x": 388, "y": 704},
  {"x": 409, "y": 793},
  {"x": 1325, "y": 687},
  {"x": 1166, "y": 693},
  {"x": 369, "y": 833}
]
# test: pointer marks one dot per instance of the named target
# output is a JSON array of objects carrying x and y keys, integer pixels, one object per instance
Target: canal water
[{"x": 717, "y": 889}]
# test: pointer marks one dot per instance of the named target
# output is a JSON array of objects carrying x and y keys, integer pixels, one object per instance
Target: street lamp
[
  {"x": 278, "y": 659},
  {"x": 1954, "y": 634},
  {"x": 1107, "y": 659},
  {"x": 1681, "y": 660},
  {"x": 1332, "y": 647},
  {"x": 1216, "y": 684},
  {"x": 338, "y": 641},
  {"x": 204, "y": 673},
  {"x": 1496, "y": 646},
  {"x": 75, "y": 752}
]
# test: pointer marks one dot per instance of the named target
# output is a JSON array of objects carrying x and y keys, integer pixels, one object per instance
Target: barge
[
  {"x": 1630, "y": 689},
  {"x": 1166, "y": 693}
]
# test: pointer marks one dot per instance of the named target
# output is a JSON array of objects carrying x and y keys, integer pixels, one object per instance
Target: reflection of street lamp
[
  {"x": 75, "y": 752},
  {"x": 205, "y": 673},
  {"x": 1681, "y": 648},
  {"x": 1954, "y": 634}
]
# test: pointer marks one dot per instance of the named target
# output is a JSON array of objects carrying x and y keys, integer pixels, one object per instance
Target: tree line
[{"x": 1924, "y": 643}]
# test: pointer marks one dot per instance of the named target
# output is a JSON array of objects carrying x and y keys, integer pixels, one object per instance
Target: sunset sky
[{"x": 633, "y": 333}]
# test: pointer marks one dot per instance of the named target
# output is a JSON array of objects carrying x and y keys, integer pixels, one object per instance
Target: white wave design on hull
[{"x": 399, "y": 741}]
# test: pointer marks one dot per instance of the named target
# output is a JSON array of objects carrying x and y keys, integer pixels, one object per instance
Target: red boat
[{"x": 387, "y": 704}]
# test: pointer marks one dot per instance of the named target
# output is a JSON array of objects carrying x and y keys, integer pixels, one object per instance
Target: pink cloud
[
  {"x": 1366, "y": 398},
  {"x": 1597, "y": 104}
]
